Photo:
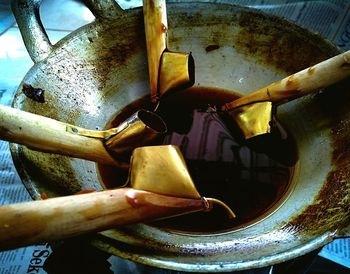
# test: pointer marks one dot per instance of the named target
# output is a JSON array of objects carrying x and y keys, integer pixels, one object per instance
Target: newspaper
[
  {"x": 338, "y": 251},
  {"x": 329, "y": 18},
  {"x": 23, "y": 260}
]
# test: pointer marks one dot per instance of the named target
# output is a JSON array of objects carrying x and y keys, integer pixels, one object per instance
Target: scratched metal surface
[{"x": 74, "y": 189}]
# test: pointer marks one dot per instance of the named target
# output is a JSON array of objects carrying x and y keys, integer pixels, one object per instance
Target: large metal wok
[{"x": 101, "y": 68}]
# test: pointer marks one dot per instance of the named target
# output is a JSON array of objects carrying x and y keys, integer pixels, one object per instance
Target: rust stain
[
  {"x": 109, "y": 55},
  {"x": 49, "y": 169},
  {"x": 265, "y": 39},
  {"x": 331, "y": 208}
]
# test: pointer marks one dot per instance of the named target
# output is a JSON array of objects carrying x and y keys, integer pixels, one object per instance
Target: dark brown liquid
[{"x": 249, "y": 176}]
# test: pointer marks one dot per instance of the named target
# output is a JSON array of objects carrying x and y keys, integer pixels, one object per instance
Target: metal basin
[{"x": 101, "y": 68}]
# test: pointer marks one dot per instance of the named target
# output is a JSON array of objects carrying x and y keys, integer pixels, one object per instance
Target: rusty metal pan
[{"x": 101, "y": 68}]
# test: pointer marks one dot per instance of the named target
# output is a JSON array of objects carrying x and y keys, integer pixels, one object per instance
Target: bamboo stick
[
  {"x": 299, "y": 84},
  {"x": 156, "y": 27},
  {"x": 58, "y": 218},
  {"x": 48, "y": 135}
]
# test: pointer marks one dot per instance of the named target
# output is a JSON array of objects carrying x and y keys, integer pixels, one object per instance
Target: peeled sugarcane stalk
[
  {"x": 49, "y": 135},
  {"x": 64, "y": 217}
]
